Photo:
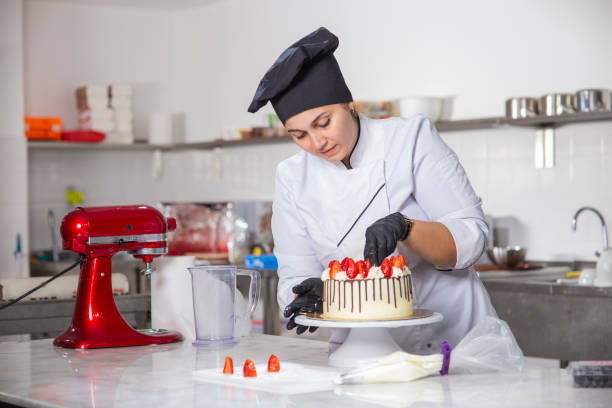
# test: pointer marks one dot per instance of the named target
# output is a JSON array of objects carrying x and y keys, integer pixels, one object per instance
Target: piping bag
[{"x": 489, "y": 346}]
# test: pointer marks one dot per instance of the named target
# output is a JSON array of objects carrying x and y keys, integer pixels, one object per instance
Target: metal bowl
[
  {"x": 557, "y": 104},
  {"x": 520, "y": 108},
  {"x": 507, "y": 256},
  {"x": 592, "y": 100}
]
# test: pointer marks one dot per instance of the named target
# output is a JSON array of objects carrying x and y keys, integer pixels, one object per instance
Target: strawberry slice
[
  {"x": 228, "y": 368},
  {"x": 249, "y": 369},
  {"x": 386, "y": 268},
  {"x": 368, "y": 265},
  {"x": 345, "y": 263},
  {"x": 334, "y": 269},
  {"x": 351, "y": 270},
  {"x": 391, "y": 259},
  {"x": 273, "y": 364},
  {"x": 361, "y": 269},
  {"x": 402, "y": 260},
  {"x": 397, "y": 263}
]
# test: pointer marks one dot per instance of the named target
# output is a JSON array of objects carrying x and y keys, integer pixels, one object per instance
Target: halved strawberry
[
  {"x": 334, "y": 269},
  {"x": 401, "y": 258},
  {"x": 397, "y": 263},
  {"x": 228, "y": 368},
  {"x": 273, "y": 364},
  {"x": 351, "y": 270},
  {"x": 368, "y": 265},
  {"x": 386, "y": 268},
  {"x": 391, "y": 259},
  {"x": 249, "y": 369},
  {"x": 345, "y": 263},
  {"x": 361, "y": 269}
]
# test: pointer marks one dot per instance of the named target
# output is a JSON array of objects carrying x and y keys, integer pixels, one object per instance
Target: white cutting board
[{"x": 292, "y": 378}]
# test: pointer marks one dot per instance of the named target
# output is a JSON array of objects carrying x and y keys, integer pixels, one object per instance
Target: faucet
[{"x": 604, "y": 228}]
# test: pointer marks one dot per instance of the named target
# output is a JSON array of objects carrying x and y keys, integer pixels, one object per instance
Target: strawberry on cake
[{"x": 358, "y": 291}]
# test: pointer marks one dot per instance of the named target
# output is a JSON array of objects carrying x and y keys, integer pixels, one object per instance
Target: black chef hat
[{"x": 305, "y": 76}]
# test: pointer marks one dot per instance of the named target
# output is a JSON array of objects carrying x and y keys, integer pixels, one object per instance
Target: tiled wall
[
  {"x": 536, "y": 204},
  {"x": 125, "y": 177},
  {"x": 13, "y": 167}
]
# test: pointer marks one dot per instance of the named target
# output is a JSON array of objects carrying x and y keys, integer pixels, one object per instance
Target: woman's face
[{"x": 327, "y": 131}]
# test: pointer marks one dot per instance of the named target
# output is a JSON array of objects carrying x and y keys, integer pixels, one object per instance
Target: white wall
[
  {"x": 68, "y": 45},
  {"x": 481, "y": 51},
  {"x": 13, "y": 166}
]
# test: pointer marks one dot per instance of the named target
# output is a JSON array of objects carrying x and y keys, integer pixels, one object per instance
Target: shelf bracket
[
  {"x": 544, "y": 149},
  {"x": 157, "y": 165}
]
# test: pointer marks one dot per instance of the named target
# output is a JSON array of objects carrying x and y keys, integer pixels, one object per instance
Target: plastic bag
[{"x": 489, "y": 346}]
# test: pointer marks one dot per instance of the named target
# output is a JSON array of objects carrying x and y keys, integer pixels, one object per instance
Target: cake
[{"x": 358, "y": 291}]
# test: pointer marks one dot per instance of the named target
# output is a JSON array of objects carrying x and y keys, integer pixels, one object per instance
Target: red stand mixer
[{"x": 98, "y": 233}]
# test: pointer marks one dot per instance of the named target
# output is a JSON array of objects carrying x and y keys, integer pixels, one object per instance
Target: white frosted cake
[{"x": 355, "y": 291}]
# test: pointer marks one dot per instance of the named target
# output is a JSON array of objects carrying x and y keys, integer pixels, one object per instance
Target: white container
[
  {"x": 166, "y": 128},
  {"x": 435, "y": 108},
  {"x": 603, "y": 277},
  {"x": 160, "y": 128}
]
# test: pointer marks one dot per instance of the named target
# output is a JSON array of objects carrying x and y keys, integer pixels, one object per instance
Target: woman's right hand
[{"x": 308, "y": 299}]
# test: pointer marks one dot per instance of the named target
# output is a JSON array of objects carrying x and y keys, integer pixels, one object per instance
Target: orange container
[{"x": 43, "y": 128}]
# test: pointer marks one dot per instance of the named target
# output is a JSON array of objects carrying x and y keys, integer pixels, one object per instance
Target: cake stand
[{"x": 368, "y": 340}]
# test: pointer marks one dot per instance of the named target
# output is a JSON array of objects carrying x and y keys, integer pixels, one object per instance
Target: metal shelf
[{"x": 442, "y": 126}]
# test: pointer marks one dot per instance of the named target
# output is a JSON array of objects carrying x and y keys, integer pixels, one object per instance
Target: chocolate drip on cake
[
  {"x": 400, "y": 286},
  {"x": 329, "y": 291},
  {"x": 373, "y": 291},
  {"x": 410, "y": 286},
  {"x": 359, "y": 283},
  {"x": 394, "y": 297},
  {"x": 352, "y": 296}
]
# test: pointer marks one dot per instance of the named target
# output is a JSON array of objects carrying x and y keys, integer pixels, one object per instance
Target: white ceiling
[{"x": 145, "y": 4}]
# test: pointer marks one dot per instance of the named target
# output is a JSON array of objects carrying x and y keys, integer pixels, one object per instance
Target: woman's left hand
[
  {"x": 382, "y": 237},
  {"x": 308, "y": 299}
]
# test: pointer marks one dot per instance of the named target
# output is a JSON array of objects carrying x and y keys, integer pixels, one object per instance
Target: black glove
[
  {"x": 382, "y": 237},
  {"x": 309, "y": 299}
]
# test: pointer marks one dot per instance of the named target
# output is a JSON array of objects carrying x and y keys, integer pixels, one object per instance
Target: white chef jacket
[{"x": 321, "y": 211}]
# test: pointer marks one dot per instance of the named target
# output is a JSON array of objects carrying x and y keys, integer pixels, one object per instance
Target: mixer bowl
[{"x": 507, "y": 256}]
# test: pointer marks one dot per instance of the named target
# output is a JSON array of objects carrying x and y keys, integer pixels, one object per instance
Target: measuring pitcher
[{"x": 214, "y": 302}]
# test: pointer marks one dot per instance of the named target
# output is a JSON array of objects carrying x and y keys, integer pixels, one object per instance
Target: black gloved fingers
[
  {"x": 291, "y": 323},
  {"x": 312, "y": 329},
  {"x": 301, "y": 288},
  {"x": 371, "y": 245},
  {"x": 291, "y": 309},
  {"x": 301, "y": 329},
  {"x": 310, "y": 285},
  {"x": 381, "y": 253}
]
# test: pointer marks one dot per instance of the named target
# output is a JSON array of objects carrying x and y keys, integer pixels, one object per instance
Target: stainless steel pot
[
  {"x": 557, "y": 104},
  {"x": 592, "y": 100},
  {"x": 520, "y": 108}
]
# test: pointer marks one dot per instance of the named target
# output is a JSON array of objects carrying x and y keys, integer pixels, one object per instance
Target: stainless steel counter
[{"x": 565, "y": 322}]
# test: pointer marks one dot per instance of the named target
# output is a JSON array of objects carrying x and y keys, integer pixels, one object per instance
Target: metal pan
[
  {"x": 557, "y": 104},
  {"x": 592, "y": 100},
  {"x": 520, "y": 108}
]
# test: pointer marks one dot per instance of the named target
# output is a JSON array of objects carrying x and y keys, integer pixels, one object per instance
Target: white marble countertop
[{"x": 37, "y": 374}]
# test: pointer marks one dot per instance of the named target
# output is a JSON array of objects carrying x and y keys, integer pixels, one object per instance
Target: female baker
[{"x": 364, "y": 188}]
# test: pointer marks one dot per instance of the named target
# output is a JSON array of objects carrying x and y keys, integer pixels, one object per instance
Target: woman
[{"x": 364, "y": 188}]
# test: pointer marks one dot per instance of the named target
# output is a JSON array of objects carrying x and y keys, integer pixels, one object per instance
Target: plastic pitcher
[{"x": 214, "y": 302}]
